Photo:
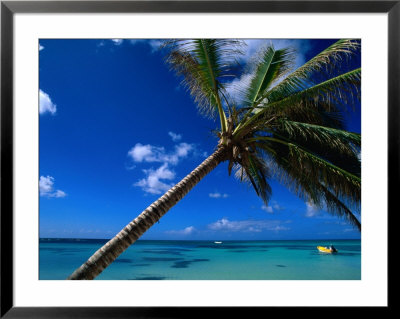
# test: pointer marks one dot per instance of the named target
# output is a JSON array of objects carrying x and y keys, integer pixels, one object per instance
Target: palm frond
[
  {"x": 311, "y": 105},
  {"x": 253, "y": 170},
  {"x": 343, "y": 183},
  {"x": 336, "y": 207},
  {"x": 287, "y": 124},
  {"x": 300, "y": 182},
  {"x": 342, "y": 89},
  {"x": 270, "y": 66},
  {"x": 333, "y": 139},
  {"x": 327, "y": 61},
  {"x": 203, "y": 63}
]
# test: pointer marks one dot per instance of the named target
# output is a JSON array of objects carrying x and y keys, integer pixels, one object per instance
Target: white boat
[{"x": 218, "y": 242}]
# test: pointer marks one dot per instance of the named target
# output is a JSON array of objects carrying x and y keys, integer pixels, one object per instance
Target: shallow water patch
[
  {"x": 163, "y": 252},
  {"x": 123, "y": 260},
  {"x": 161, "y": 259}
]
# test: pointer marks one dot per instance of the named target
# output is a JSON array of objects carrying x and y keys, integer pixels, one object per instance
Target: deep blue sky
[{"x": 116, "y": 129}]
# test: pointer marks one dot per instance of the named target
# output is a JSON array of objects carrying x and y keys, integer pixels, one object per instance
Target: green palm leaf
[
  {"x": 252, "y": 169},
  {"x": 301, "y": 183},
  {"x": 203, "y": 63},
  {"x": 335, "y": 140},
  {"x": 270, "y": 66},
  {"x": 340, "y": 89},
  {"x": 327, "y": 61},
  {"x": 319, "y": 170},
  {"x": 306, "y": 104}
]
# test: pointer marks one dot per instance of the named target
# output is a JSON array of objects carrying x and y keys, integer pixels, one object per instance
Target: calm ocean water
[{"x": 195, "y": 260}]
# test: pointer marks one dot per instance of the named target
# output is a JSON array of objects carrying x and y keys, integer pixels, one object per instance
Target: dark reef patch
[
  {"x": 140, "y": 265},
  {"x": 186, "y": 263},
  {"x": 149, "y": 278},
  {"x": 181, "y": 264}
]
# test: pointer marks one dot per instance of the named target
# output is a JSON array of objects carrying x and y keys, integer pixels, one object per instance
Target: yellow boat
[{"x": 326, "y": 250}]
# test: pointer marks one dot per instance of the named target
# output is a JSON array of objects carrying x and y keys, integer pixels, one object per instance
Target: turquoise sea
[{"x": 196, "y": 260}]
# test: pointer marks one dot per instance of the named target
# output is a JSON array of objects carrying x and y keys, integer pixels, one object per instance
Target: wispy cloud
[
  {"x": 268, "y": 209},
  {"x": 257, "y": 226},
  {"x": 46, "y": 104},
  {"x": 154, "y": 44},
  {"x": 46, "y": 187},
  {"x": 117, "y": 41},
  {"x": 300, "y": 46},
  {"x": 274, "y": 206},
  {"x": 175, "y": 137},
  {"x": 218, "y": 195},
  {"x": 350, "y": 230},
  {"x": 312, "y": 210},
  {"x": 183, "y": 232}
]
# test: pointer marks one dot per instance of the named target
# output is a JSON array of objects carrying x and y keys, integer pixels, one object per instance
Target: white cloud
[
  {"x": 247, "y": 225},
  {"x": 152, "y": 182},
  {"x": 312, "y": 210},
  {"x": 175, "y": 137},
  {"x": 46, "y": 184},
  {"x": 271, "y": 208},
  {"x": 154, "y": 43},
  {"x": 147, "y": 153},
  {"x": 252, "y": 47},
  {"x": 218, "y": 195},
  {"x": 235, "y": 88},
  {"x": 186, "y": 231},
  {"x": 117, "y": 41},
  {"x": 183, "y": 149},
  {"x": 45, "y": 103},
  {"x": 150, "y": 154},
  {"x": 268, "y": 209},
  {"x": 46, "y": 188},
  {"x": 58, "y": 193}
]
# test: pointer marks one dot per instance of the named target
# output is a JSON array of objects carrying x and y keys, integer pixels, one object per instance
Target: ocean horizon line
[{"x": 187, "y": 240}]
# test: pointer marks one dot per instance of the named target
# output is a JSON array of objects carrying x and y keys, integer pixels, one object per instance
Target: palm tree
[{"x": 282, "y": 123}]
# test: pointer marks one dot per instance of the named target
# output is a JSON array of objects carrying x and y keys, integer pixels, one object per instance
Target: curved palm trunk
[{"x": 131, "y": 232}]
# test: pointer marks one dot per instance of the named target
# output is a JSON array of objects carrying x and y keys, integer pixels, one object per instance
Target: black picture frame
[{"x": 9, "y": 8}]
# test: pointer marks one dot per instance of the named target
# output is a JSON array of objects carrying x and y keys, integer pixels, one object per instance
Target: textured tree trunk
[{"x": 136, "y": 228}]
